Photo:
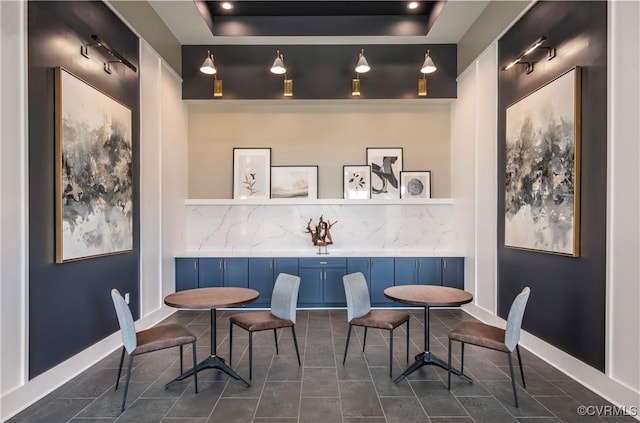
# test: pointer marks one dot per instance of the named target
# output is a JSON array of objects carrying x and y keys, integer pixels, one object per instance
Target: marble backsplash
[{"x": 273, "y": 228}]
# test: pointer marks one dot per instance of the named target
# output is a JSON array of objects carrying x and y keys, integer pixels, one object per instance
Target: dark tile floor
[{"x": 322, "y": 390}]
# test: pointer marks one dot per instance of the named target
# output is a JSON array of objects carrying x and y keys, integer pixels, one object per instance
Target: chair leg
[
  {"x": 462, "y": 357},
  {"x": 275, "y": 337},
  {"x": 391, "y": 353},
  {"x": 295, "y": 343},
  {"x": 250, "y": 354},
  {"x": 346, "y": 346},
  {"x": 513, "y": 379},
  {"x": 126, "y": 384},
  {"x": 449, "y": 368},
  {"x": 230, "y": 342},
  {"x": 195, "y": 373},
  {"x": 181, "y": 370},
  {"x": 520, "y": 363},
  {"x": 364, "y": 341},
  {"x": 408, "y": 340},
  {"x": 120, "y": 368}
]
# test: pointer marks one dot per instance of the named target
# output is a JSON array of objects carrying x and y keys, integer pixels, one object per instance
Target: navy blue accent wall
[
  {"x": 70, "y": 305},
  {"x": 567, "y": 303},
  {"x": 319, "y": 71}
]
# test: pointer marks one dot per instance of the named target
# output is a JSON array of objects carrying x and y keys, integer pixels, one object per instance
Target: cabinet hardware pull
[
  {"x": 270, "y": 264},
  {"x": 195, "y": 264},
  {"x": 220, "y": 262},
  {"x": 323, "y": 262},
  {"x": 444, "y": 263},
  {"x": 225, "y": 264}
]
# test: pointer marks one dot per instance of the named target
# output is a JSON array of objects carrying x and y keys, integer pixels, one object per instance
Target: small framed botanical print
[
  {"x": 251, "y": 173},
  {"x": 415, "y": 184},
  {"x": 294, "y": 182},
  {"x": 357, "y": 182}
]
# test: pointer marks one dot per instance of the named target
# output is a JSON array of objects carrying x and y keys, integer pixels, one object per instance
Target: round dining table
[
  {"x": 211, "y": 299},
  {"x": 428, "y": 296}
]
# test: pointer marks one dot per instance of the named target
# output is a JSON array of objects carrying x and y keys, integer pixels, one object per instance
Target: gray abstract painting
[
  {"x": 94, "y": 213},
  {"x": 542, "y": 168}
]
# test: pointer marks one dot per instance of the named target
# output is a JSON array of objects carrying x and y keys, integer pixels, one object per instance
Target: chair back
[
  {"x": 125, "y": 320},
  {"x": 514, "y": 320},
  {"x": 357, "y": 293},
  {"x": 284, "y": 298}
]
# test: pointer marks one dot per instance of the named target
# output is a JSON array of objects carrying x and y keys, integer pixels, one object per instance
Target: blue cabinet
[
  {"x": 186, "y": 273},
  {"x": 321, "y": 278},
  {"x": 321, "y": 282},
  {"x": 263, "y": 273},
  {"x": 379, "y": 273},
  {"x": 418, "y": 271},
  {"x": 453, "y": 272},
  {"x": 211, "y": 272}
]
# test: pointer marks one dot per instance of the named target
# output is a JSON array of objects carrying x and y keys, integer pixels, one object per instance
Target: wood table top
[
  {"x": 429, "y": 295},
  {"x": 208, "y": 298}
]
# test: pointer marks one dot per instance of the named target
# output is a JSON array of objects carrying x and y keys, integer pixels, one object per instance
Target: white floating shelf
[{"x": 324, "y": 201}]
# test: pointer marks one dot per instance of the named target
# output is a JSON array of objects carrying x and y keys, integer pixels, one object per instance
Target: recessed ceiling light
[
  {"x": 412, "y": 5},
  {"x": 227, "y": 5}
]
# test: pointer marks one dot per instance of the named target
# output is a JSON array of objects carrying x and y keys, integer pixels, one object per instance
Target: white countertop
[{"x": 314, "y": 253}]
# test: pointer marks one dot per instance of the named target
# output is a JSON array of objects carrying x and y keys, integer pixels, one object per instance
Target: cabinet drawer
[{"x": 322, "y": 262}]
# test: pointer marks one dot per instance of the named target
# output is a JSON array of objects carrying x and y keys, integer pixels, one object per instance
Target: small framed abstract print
[
  {"x": 415, "y": 184},
  {"x": 356, "y": 182},
  {"x": 386, "y": 165},
  {"x": 294, "y": 182},
  {"x": 251, "y": 173}
]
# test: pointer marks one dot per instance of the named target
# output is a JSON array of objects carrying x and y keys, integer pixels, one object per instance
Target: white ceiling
[{"x": 184, "y": 20}]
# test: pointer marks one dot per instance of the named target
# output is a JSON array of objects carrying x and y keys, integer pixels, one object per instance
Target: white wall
[
  {"x": 163, "y": 186},
  {"x": 623, "y": 290},
  {"x": 476, "y": 100},
  {"x": 13, "y": 196}
]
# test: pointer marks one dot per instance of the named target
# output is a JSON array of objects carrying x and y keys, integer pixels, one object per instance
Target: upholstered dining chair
[
  {"x": 487, "y": 336},
  {"x": 359, "y": 313},
  {"x": 148, "y": 340},
  {"x": 282, "y": 314}
]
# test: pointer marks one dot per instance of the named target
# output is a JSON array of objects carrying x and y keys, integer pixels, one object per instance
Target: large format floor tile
[{"x": 322, "y": 389}]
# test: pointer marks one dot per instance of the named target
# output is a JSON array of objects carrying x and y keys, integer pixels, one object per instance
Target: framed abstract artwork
[
  {"x": 294, "y": 182},
  {"x": 251, "y": 173},
  {"x": 386, "y": 165},
  {"x": 94, "y": 171},
  {"x": 542, "y": 168},
  {"x": 356, "y": 181},
  {"x": 415, "y": 184}
]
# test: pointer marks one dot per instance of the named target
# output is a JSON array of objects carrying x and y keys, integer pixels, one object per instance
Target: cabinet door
[
  {"x": 382, "y": 277},
  {"x": 359, "y": 264},
  {"x": 210, "y": 272},
  {"x": 261, "y": 279},
  {"x": 453, "y": 272},
  {"x": 429, "y": 271},
  {"x": 186, "y": 273},
  {"x": 406, "y": 271},
  {"x": 310, "y": 292},
  {"x": 236, "y": 272},
  {"x": 285, "y": 265},
  {"x": 333, "y": 287}
]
